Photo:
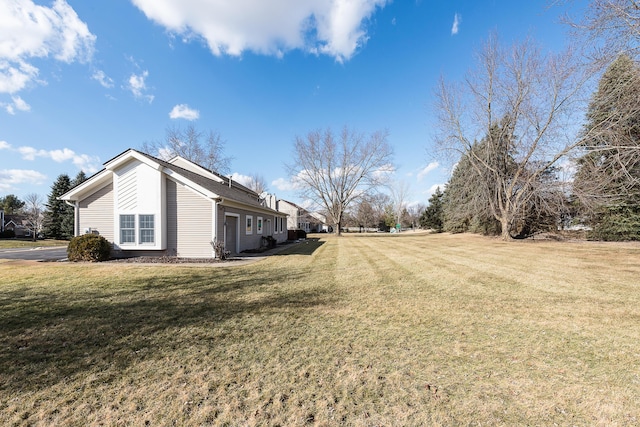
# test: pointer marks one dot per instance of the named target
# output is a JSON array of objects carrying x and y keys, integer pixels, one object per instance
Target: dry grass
[{"x": 375, "y": 330}]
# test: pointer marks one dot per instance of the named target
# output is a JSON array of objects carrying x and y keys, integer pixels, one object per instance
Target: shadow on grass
[
  {"x": 47, "y": 338},
  {"x": 305, "y": 247}
]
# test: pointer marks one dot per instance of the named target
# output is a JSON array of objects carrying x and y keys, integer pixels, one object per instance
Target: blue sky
[{"x": 82, "y": 81}]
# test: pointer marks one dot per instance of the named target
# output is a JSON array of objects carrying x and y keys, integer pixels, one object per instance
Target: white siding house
[
  {"x": 301, "y": 219},
  {"x": 148, "y": 206}
]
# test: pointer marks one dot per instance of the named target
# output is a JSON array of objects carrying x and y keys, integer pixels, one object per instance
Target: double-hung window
[
  {"x": 146, "y": 228},
  {"x": 127, "y": 229}
]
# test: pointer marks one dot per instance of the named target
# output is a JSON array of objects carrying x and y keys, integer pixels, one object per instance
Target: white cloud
[
  {"x": 283, "y": 184},
  {"x": 29, "y": 31},
  {"x": 457, "y": 19},
  {"x": 242, "y": 179},
  {"x": 165, "y": 153},
  {"x": 61, "y": 155},
  {"x": 14, "y": 76},
  {"x": 182, "y": 111},
  {"x": 12, "y": 177},
  {"x": 384, "y": 173},
  {"x": 30, "y": 153},
  {"x": 17, "y": 104},
  {"x": 427, "y": 169},
  {"x": 335, "y": 28},
  {"x": 20, "y": 104},
  {"x": 89, "y": 164},
  {"x": 103, "y": 79},
  {"x": 138, "y": 86},
  {"x": 4, "y": 145}
]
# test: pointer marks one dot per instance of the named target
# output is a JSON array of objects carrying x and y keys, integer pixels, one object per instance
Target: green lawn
[
  {"x": 26, "y": 243},
  {"x": 359, "y": 330}
]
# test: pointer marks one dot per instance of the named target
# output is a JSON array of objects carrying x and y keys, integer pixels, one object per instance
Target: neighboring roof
[
  {"x": 17, "y": 220},
  {"x": 317, "y": 215},
  {"x": 227, "y": 189}
]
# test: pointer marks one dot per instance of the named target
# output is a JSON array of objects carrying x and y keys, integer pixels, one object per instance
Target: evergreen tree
[
  {"x": 11, "y": 204},
  {"x": 433, "y": 215},
  {"x": 79, "y": 179},
  {"x": 607, "y": 181},
  {"x": 470, "y": 196},
  {"x": 57, "y": 210},
  {"x": 488, "y": 184},
  {"x": 68, "y": 219}
]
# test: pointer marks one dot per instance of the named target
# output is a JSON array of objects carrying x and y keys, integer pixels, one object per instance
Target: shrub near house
[{"x": 88, "y": 247}]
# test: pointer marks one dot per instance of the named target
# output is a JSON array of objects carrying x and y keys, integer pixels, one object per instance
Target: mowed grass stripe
[{"x": 524, "y": 294}]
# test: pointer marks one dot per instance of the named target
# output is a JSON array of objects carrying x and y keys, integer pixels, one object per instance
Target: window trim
[{"x": 259, "y": 225}]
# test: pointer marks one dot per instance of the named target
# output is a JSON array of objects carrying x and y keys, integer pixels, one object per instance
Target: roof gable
[{"x": 208, "y": 183}]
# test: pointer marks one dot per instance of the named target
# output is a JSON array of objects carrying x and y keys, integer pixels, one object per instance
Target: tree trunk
[{"x": 505, "y": 226}]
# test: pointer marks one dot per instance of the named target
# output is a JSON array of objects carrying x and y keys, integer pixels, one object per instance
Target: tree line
[
  {"x": 54, "y": 219},
  {"x": 526, "y": 158},
  {"x": 512, "y": 183}
]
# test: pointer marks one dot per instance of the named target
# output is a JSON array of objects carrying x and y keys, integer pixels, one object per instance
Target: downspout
[
  {"x": 76, "y": 217},
  {"x": 215, "y": 226},
  {"x": 216, "y": 203}
]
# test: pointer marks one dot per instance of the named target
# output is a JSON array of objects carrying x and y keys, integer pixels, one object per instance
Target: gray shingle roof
[{"x": 236, "y": 192}]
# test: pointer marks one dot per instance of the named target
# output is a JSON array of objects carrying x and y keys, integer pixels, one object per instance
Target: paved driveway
[{"x": 55, "y": 253}]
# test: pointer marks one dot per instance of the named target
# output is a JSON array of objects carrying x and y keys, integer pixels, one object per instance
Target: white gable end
[{"x": 139, "y": 208}]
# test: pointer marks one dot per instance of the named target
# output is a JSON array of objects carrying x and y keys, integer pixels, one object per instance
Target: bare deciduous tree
[
  {"x": 610, "y": 159},
  {"x": 608, "y": 28},
  {"x": 399, "y": 196},
  {"x": 257, "y": 183},
  {"x": 207, "y": 150},
  {"x": 334, "y": 170},
  {"x": 33, "y": 210},
  {"x": 522, "y": 104},
  {"x": 369, "y": 210},
  {"x": 414, "y": 212}
]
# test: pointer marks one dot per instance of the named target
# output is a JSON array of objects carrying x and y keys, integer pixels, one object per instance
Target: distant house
[
  {"x": 321, "y": 223},
  {"x": 147, "y": 206},
  {"x": 301, "y": 219},
  {"x": 19, "y": 224}
]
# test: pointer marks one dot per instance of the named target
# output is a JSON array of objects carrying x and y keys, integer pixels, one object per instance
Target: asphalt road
[{"x": 35, "y": 254}]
